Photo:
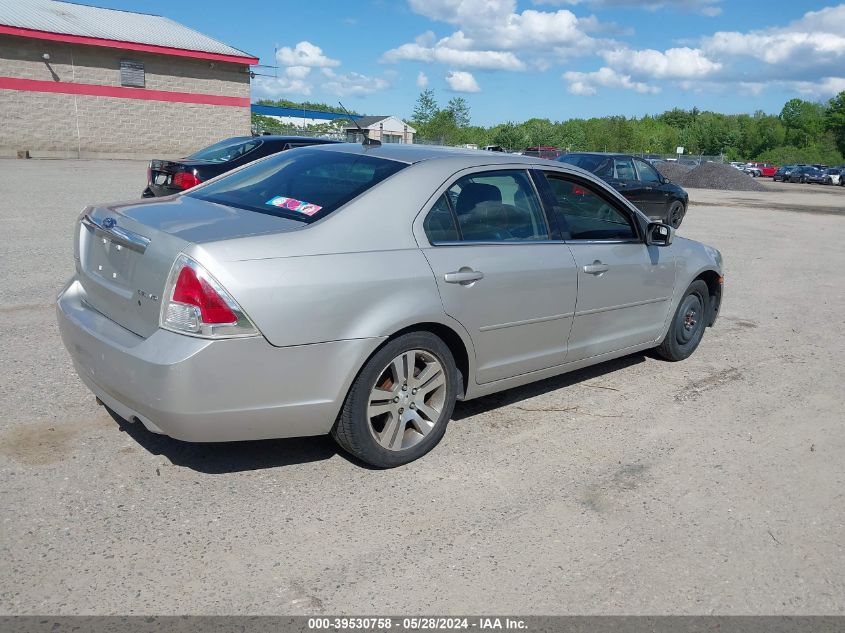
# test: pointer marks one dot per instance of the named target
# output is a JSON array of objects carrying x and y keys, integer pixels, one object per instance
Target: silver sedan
[{"x": 360, "y": 290}]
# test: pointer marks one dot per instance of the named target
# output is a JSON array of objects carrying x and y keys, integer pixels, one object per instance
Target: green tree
[
  {"x": 459, "y": 109},
  {"x": 835, "y": 120},
  {"x": 425, "y": 109}
]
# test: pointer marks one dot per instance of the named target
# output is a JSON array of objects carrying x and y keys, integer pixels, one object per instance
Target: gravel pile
[
  {"x": 674, "y": 171},
  {"x": 724, "y": 177},
  {"x": 715, "y": 176}
]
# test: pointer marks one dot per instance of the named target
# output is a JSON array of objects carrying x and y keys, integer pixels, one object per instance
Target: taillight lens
[
  {"x": 185, "y": 180},
  {"x": 197, "y": 304}
]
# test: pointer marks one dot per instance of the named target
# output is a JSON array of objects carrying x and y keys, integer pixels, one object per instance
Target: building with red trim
[{"x": 82, "y": 81}]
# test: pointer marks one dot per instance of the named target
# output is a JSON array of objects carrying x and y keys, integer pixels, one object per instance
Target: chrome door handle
[
  {"x": 596, "y": 268},
  {"x": 463, "y": 276}
]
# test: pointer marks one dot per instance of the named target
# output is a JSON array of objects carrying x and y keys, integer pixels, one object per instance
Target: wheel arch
[
  {"x": 453, "y": 336},
  {"x": 454, "y": 341},
  {"x": 714, "y": 284}
]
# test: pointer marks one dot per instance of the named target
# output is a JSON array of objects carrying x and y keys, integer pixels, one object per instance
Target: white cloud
[
  {"x": 816, "y": 37},
  {"x": 491, "y": 33},
  {"x": 462, "y": 81},
  {"x": 824, "y": 89},
  {"x": 447, "y": 55},
  {"x": 675, "y": 63},
  {"x": 805, "y": 56},
  {"x": 422, "y": 80},
  {"x": 304, "y": 54},
  {"x": 705, "y": 7},
  {"x": 273, "y": 87},
  {"x": 354, "y": 84},
  {"x": 586, "y": 84},
  {"x": 297, "y": 72}
]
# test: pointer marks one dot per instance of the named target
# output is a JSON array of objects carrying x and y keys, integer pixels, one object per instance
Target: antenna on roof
[{"x": 367, "y": 140}]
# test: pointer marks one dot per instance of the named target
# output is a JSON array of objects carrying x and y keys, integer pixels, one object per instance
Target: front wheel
[
  {"x": 688, "y": 324},
  {"x": 399, "y": 405},
  {"x": 676, "y": 214}
]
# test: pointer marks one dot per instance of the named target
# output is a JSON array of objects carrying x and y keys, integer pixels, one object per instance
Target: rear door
[
  {"x": 655, "y": 193},
  {"x": 624, "y": 286},
  {"x": 500, "y": 274},
  {"x": 627, "y": 183}
]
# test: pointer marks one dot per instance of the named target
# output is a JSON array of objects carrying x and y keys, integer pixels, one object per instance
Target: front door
[
  {"x": 499, "y": 275},
  {"x": 656, "y": 194},
  {"x": 624, "y": 286}
]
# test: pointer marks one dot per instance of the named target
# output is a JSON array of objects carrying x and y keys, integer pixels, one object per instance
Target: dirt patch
[
  {"x": 47, "y": 442},
  {"x": 25, "y": 308},
  {"x": 694, "y": 390},
  {"x": 601, "y": 495}
]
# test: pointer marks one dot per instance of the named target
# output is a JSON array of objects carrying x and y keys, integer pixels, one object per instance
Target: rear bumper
[{"x": 199, "y": 390}]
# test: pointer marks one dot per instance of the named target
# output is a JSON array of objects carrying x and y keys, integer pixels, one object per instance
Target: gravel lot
[{"x": 637, "y": 487}]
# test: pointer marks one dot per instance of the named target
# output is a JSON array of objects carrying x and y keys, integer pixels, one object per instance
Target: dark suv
[{"x": 650, "y": 191}]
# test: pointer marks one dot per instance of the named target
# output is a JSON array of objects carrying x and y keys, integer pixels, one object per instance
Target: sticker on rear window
[{"x": 292, "y": 204}]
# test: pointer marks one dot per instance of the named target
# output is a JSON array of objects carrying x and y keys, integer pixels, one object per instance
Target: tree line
[{"x": 804, "y": 131}]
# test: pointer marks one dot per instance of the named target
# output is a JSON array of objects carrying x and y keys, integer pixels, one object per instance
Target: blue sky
[{"x": 518, "y": 59}]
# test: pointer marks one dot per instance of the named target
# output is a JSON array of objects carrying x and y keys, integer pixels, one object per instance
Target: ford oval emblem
[{"x": 109, "y": 223}]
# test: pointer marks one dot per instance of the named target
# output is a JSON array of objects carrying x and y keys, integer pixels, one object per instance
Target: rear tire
[
  {"x": 400, "y": 403},
  {"x": 688, "y": 324}
]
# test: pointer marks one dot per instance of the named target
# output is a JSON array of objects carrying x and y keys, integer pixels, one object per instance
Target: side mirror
[
  {"x": 659, "y": 234},
  {"x": 664, "y": 180}
]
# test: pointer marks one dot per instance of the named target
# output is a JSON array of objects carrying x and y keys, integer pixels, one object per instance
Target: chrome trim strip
[
  {"x": 623, "y": 306},
  {"x": 116, "y": 234},
  {"x": 501, "y": 326}
]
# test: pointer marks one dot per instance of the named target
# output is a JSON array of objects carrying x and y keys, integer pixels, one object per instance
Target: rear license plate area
[{"x": 111, "y": 262}]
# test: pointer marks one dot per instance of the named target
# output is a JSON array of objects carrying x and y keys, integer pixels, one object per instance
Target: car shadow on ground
[{"x": 229, "y": 457}]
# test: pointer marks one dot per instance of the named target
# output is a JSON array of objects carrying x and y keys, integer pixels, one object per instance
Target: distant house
[{"x": 387, "y": 129}]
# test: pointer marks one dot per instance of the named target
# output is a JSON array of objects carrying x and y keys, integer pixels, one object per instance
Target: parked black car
[
  {"x": 166, "y": 177},
  {"x": 783, "y": 173},
  {"x": 807, "y": 174},
  {"x": 650, "y": 191}
]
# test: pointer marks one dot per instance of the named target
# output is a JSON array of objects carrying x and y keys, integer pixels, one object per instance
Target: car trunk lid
[{"x": 124, "y": 252}]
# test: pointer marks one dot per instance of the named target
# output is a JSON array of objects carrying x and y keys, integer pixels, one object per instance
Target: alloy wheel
[{"x": 407, "y": 400}]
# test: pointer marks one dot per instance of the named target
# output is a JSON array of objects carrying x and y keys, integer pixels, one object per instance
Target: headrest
[{"x": 474, "y": 193}]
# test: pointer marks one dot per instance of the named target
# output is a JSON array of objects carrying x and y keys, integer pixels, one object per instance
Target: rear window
[
  {"x": 601, "y": 166},
  {"x": 302, "y": 184},
  {"x": 227, "y": 150}
]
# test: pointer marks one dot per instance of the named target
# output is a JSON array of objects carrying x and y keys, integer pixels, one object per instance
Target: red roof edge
[{"x": 132, "y": 46}]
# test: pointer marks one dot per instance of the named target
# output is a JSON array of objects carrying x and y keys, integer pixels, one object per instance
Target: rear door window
[
  {"x": 440, "y": 224},
  {"x": 303, "y": 184},
  {"x": 625, "y": 169},
  {"x": 497, "y": 206}
]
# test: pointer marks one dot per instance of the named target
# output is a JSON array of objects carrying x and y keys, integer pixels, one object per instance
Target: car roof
[
  {"x": 412, "y": 153},
  {"x": 608, "y": 154},
  {"x": 293, "y": 139}
]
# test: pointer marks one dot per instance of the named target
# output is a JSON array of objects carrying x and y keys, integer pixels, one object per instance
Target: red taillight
[
  {"x": 577, "y": 191},
  {"x": 195, "y": 291},
  {"x": 185, "y": 180}
]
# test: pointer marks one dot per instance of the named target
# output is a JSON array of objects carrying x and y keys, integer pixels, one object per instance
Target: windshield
[
  {"x": 227, "y": 150},
  {"x": 303, "y": 184}
]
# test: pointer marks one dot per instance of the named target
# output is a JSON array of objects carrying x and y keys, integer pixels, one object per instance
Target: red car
[
  {"x": 543, "y": 151},
  {"x": 767, "y": 170}
]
